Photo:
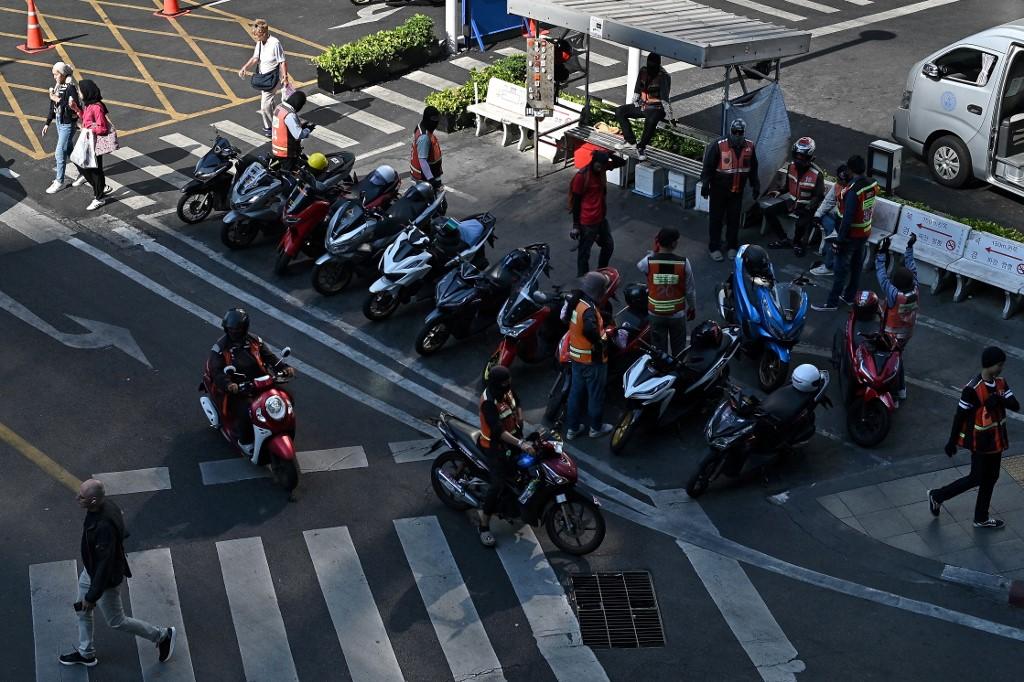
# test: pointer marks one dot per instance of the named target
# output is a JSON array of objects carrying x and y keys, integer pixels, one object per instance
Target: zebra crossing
[{"x": 367, "y": 640}]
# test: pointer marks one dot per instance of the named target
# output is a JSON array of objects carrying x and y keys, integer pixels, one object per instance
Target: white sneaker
[
  {"x": 94, "y": 204},
  {"x": 603, "y": 431},
  {"x": 573, "y": 434},
  {"x": 107, "y": 189},
  {"x": 731, "y": 254},
  {"x": 56, "y": 186},
  {"x": 716, "y": 256},
  {"x": 79, "y": 181},
  {"x": 821, "y": 271}
]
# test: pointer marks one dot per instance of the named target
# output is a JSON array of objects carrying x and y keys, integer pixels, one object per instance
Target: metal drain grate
[{"x": 618, "y": 610}]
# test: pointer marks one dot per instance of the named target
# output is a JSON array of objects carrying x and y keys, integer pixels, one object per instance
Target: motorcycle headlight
[
  {"x": 723, "y": 442},
  {"x": 204, "y": 176},
  {"x": 515, "y": 331},
  {"x": 275, "y": 408}
]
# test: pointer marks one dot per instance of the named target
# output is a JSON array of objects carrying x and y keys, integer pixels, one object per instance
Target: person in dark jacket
[
  {"x": 64, "y": 108},
  {"x": 106, "y": 567},
  {"x": 729, "y": 164},
  {"x": 588, "y": 353},
  {"x": 650, "y": 96},
  {"x": 980, "y": 426},
  {"x": 587, "y": 203}
]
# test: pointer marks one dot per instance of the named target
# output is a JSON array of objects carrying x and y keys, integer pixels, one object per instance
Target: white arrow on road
[
  {"x": 100, "y": 334},
  {"x": 368, "y": 15}
]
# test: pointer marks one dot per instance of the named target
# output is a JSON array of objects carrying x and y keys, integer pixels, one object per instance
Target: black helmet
[
  {"x": 499, "y": 381},
  {"x": 235, "y": 324},
  {"x": 903, "y": 279},
  {"x": 707, "y": 335},
  {"x": 425, "y": 191},
  {"x": 297, "y": 100},
  {"x": 636, "y": 298},
  {"x": 756, "y": 261},
  {"x": 516, "y": 261}
]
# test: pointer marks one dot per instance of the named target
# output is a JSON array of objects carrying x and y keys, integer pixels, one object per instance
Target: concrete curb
[{"x": 1013, "y": 589}]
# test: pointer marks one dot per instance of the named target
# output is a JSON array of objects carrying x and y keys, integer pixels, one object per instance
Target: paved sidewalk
[{"x": 896, "y": 512}]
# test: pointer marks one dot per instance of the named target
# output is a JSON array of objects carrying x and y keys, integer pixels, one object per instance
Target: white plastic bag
[{"x": 84, "y": 153}]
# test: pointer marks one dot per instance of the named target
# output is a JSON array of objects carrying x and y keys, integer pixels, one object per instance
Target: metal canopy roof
[{"x": 680, "y": 29}]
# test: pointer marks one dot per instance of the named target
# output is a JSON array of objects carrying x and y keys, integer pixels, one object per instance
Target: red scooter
[
  {"x": 273, "y": 421},
  {"x": 530, "y": 322},
  {"x": 305, "y": 215},
  {"x": 870, "y": 364}
]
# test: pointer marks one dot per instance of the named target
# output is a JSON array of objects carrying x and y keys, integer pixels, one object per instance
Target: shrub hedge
[{"x": 378, "y": 51}]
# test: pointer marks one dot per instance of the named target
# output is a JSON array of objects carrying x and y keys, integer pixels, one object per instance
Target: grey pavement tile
[
  {"x": 1014, "y": 522},
  {"x": 885, "y": 523},
  {"x": 986, "y": 537},
  {"x": 920, "y": 516},
  {"x": 946, "y": 538},
  {"x": 1007, "y": 499},
  {"x": 864, "y": 500},
  {"x": 853, "y": 523},
  {"x": 835, "y": 506},
  {"x": 973, "y": 558},
  {"x": 937, "y": 479},
  {"x": 962, "y": 506},
  {"x": 964, "y": 469},
  {"x": 1007, "y": 556},
  {"x": 910, "y": 542},
  {"x": 903, "y": 490}
]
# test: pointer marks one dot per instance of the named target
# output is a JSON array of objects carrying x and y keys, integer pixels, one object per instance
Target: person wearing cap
[
  {"x": 266, "y": 56},
  {"x": 589, "y": 209},
  {"x": 425, "y": 162},
  {"x": 501, "y": 436},
  {"x": 650, "y": 96},
  {"x": 729, "y": 164},
  {"x": 588, "y": 359},
  {"x": 289, "y": 130},
  {"x": 64, "y": 108},
  {"x": 671, "y": 296},
  {"x": 828, "y": 217},
  {"x": 980, "y": 426}
]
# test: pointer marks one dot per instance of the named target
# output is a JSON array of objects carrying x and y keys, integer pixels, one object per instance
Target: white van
[{"x": 963, "y": 110}]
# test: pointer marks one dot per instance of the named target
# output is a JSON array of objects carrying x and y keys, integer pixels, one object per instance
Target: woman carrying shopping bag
[
  {"x": 64, "y": 108},
  {"x": 97, "y": 138}
]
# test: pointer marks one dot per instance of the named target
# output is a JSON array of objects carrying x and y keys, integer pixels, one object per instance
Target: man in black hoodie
[{"x": 106, "y": 567}]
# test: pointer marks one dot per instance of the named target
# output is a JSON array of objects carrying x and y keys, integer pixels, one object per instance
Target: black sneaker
[
  {"x": 990, "y": 523},
  {"x": 75, "y": 658},
  {"x": 933, "y": 505},
  {"x": 166, "y": 645},
  {"x": 799, "y": 251}
]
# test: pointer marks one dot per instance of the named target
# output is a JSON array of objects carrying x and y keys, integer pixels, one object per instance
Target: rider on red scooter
[
  {"x": 901, "y": 292},
  {"x": 251, "y": 358}
]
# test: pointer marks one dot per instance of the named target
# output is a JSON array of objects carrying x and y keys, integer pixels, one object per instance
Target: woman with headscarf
[
  {"x": 64, "y": 107},
  {"x": 425, "y": 163},
  {"x": 94, "y": 119}
]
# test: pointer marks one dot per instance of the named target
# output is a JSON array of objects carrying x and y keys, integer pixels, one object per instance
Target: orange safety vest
[
  {"x": 282, "y": 144},
  {"x": 988, "y": 433},
  {"x": 736, "y": 166},
  {"x": 580, "y": 348},
  {"x": 801, "y": 186},
  {"x": 507, "y": 414},
  {"x": 866, "y": 191},
  {"x": 899, "y": 320},
  {"x": 666, "y": 284},
  {"x": 434, "y": 158}
]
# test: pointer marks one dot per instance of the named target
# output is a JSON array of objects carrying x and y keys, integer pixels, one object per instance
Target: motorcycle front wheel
[
  {"x": 432, "y": 337},
  {"x": 576, "y": 526},
  {"x": 624, "y": 430},
  {"x": 195, "y": 208},
  {"x": 456, "y": 467},
  {"x": 708, "y": 471},
  {"x": 286, "y": 472},
  {"x": 238, "y": 234},
  {"x": 282, "y": 263},
  {"x": 771, "y": 371},
  {"x": 332, "y": 277},
  {"x": 867, "y": 421},
  {"x": 380, "y": 305}
]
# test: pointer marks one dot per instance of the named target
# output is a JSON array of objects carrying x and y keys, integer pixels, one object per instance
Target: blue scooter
[{"x": 751, "y": 299}]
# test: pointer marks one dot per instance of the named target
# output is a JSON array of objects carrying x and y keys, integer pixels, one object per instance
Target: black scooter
[
  {"x": 468, "y": 300},
  {"x": 211, "y": 183}
]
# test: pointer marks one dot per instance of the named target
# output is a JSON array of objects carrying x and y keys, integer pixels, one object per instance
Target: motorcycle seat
[
  {"x": 785, "y": 403},
  {"x": 467, "y": 434},
  {"x": 629, "y": 318},
  {"x": 699, "y": 361},
  {"x": 405, "y": 211},
  {"x": 370, "y": 191}
]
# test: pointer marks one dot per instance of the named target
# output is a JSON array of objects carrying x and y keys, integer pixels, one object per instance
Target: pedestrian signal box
[{"x": 540, "y": 77}]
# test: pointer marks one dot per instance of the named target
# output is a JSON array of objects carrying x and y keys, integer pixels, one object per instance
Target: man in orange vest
[
  {"x": 287, "y": 130},
  {"x": 729, "y": 164},
  {"x": 899, "y": 313},
  {"x": 671, "y": 296},
  {"x": 804, "y": 184},
  {"x": 980, "y": 426},
  {"x": 425, "y": 162},
  {"x": 588, "y": 357},
  {"x": 650, "y": 96}
]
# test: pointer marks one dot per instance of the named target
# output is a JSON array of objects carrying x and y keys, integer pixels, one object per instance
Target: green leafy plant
[
  {"x": 453, "y": 102},
  {"x": 378, "y": 51}
]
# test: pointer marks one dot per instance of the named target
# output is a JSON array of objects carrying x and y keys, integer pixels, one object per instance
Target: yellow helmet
[{"x": 317, "y": 162}]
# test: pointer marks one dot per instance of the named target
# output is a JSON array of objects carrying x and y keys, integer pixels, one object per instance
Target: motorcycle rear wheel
[
  {"x": 380, "y": 306},
  {"x": 459, "y": 465},
  {"x": 238, "y": 234},
  {"x": 566, "y": 524},
  {"x": 332, "y": 277},
  {"x": 708, "y": 471},
  {"x": 432, "y": 337},
  {"x": 195, "y": 208},
  {"x": 771, "y": 371},
  {"x": 867, "y": 422},
  {"x": 286, "y": 472},
  {"x": 624, "y": 430},
  {"x": 282, "y": 263}
]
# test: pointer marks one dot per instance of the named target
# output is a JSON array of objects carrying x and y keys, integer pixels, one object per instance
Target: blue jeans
[
  {"x": 848, "y": 264},
  {"x": 588, "y": 382},
  {"x": 829, "y": 223},
  {"x": 65, "y": 143}
]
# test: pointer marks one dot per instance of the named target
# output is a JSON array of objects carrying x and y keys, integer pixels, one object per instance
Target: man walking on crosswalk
[{"x": 106, "y": 567}]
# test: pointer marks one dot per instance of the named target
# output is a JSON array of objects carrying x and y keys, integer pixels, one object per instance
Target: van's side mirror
[{"x": 932, "y": 71}]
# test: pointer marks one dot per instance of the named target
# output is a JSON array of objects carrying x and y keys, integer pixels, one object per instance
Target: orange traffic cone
[
  {"x": 171, "y": 9},
  {"x": 34, "y": 37}
]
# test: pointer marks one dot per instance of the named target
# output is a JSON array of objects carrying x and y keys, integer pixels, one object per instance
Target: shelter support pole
[
  {"x": 451, "y": 25},
  {"x": 585, "y": 115},
  {"x": 632, "y": 72},
  {"x": 536, "y": 147},
  {"x": 725, "y": 103}
]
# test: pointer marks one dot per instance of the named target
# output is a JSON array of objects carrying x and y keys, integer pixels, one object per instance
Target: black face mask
[
  {"x": 505, "y": 389},
  {"x": 236, "y": 335},
  {"x": 736, "y": 139}
]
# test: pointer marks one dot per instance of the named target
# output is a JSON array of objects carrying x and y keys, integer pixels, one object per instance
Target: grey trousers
[
  {"x": 668, "y": 333},
  {"x": 113, "y": 611}
]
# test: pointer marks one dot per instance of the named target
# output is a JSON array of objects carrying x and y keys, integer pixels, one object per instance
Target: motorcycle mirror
[
  {"x": 286, "y": 351},
  {"x": 230, "y": 369}
]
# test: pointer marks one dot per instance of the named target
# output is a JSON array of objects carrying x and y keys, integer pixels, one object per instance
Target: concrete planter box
[{"x": 409, "y": 61}]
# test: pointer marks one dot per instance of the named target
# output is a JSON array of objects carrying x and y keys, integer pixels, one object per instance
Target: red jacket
[{"x": 589, "y": 189}]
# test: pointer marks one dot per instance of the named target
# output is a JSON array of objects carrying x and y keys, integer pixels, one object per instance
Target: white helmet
[
  {"x": 383, "y": 175},
  {"x": 806, "y": 378}
]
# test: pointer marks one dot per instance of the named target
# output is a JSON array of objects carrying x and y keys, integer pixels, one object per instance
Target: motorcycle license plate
[{"x": 560, "y": 498}]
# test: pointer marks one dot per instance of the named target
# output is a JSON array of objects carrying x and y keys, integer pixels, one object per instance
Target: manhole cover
[
  {"x": 1015, "y": 467},
  {"x": 618, "y": 610}
]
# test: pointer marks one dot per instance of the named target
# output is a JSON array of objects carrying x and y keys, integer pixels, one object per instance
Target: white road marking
[
  {"x": 413, "y": 451},
  {"x": 358, "y": 624},
  {"x": 396, "y": 98},
  {"x": 379, "y": 150},
  {"x": 332, "y": 138},
  {"x": 358, "y": 115},
  {"x": 221, "y": 471},
  {"x": 968, "y": 335},
  {"x": 154, "y": 598},
  {"x": 135, "y": 201},
  {"x": 151, "y": 166},
  {"x": 547, "y": 608},
  {"x": 458, "y": 626},
  {"x": 600, "y": 60},
  {"x": 878, "y": 17},
  {"x": 765, "y": 9},
  {"x": 262, "y": 639},
  {"x": 620, "y": 81},
  {"x": 135, "y": 481},
  {"x": 862, "y": 3},
  {"x": 242, "y": 133},
  {"x": 510, "y": 51},
  {"x": 235, "y": 469},
  {"x": 334, "y": 459},
  {"x": 36, "y": 226},
  {"x": 816, "y": 6},
  {"x": 197, "y": 149},
  {"x": 430, "y": 80},
  {"x": 321, "y": 100},
  {"x": 54, "y": 588},
  {"x": 368, "y": 15},
  {"x": 468, "y": 63}
]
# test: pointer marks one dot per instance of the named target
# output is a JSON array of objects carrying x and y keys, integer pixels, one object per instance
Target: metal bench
[
  {"x": 993, "y": 261},
  {"x": 505, "y": 104},
  {"x": 659, "y": 157}
]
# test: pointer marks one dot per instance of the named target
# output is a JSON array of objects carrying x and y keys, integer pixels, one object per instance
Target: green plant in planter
[
  {"x": 375, "y": 52},
  {"x": 453, "y": 102}
]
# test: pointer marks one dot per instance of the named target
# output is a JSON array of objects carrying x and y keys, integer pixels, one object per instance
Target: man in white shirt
[{"x": 267, "y": 56}]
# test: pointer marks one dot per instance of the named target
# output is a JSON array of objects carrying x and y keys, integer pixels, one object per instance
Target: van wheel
[{"x": 949, "y": 161}]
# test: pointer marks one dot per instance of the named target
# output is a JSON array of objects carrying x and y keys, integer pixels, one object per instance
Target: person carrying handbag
[
  {"x": 88, "y": 158},
  {"x": 271, "y": 70},
  {"x": 64, "y": 108}
]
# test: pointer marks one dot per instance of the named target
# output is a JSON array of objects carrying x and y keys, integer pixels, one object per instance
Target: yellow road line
[
  {"x": 39, "y": 458},
  {"x": 149, "y": 10},
  {"x": 16, "y": 108},
  {"x": 22, "y": 148},
  {"x": 247, "y": 22},
  {"x": 202, "y": 57},
  {"x": 144, "y": 55},
  {"x": 30, "y": 117},
  {"x": 130, "y": 105}
]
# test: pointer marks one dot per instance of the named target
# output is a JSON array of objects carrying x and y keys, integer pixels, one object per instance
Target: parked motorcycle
[
  {"x": 414, "y": 262},
  {"x": 745, "y": 429},
  {"x": 467, "y": 299},
  {"x": 273, "y": 420},
  {"x": 751, "y": 299},
  {"x": 660, "y": 388},
  {"x": 257, "y": 198},
  {"x": 460, "y": 479},
  {"x": 211, "y": 184}
]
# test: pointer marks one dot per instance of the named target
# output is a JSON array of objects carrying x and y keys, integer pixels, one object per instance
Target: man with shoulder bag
[{"x": 271, "y": 70}]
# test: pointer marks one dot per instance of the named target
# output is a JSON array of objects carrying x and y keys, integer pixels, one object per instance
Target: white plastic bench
[
  {"x": 940, "y": 242},
  {"x": 994, "y": 261},
  {"x": 505, "y": 104}
]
